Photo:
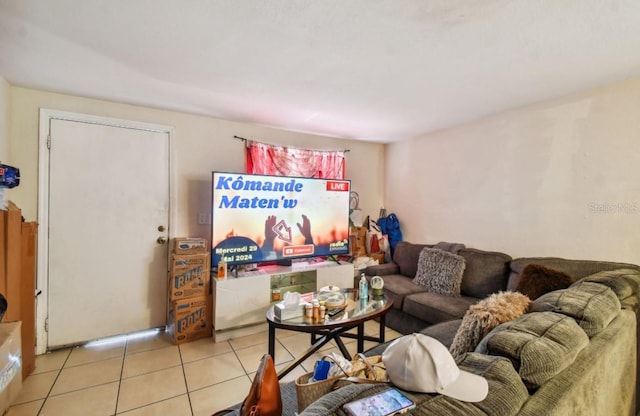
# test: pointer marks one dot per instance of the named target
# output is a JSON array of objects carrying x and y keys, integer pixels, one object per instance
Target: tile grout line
[
  {"x": 124, "y": 357},
  {"x": 153, "y": 371},
  {"x": 186, "y": 384},
  {"x": 238, "y": 358},
  {"x": 54, "y": 383}
]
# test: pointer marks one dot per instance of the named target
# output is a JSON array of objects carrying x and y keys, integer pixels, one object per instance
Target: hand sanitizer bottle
[{"x": 363, "y": 288}]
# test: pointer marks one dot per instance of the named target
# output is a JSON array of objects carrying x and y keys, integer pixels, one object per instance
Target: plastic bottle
[
  {"x": 315, "y": 311},
  {"x": 222, "y": 269},
  {"x": 275, "y": 294},
  {"x": 363, "y": 287},
  {"x": 308, "y": 312}
]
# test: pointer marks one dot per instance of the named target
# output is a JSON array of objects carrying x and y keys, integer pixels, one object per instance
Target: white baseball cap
[{"x": 420, "y": 363}]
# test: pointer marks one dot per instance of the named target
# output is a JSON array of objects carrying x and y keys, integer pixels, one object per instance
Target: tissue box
[{"x": 283, "y": 313}]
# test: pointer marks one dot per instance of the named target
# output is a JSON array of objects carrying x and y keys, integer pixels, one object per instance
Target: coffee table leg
[
  {"x": 382, "y": 328},
  {"x": 361, "y": 337},
  {"x": 313, "y": 348},
  {"x": 272, "y": 341},
  {"x": 342, "y": 348}
]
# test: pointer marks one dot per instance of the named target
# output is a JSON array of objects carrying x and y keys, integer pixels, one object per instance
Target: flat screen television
[{"x": 260, "y": 218}]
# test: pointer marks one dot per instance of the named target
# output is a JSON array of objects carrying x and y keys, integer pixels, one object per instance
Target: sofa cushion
[
  {"x": 577, "y": 269},
  {"x": 331, "y": 403},
  {"x": 450, "y": 247},
  {"x": 623, "y": 282},
  {"x": 439, "y": 271},
  {"x": 507, "y": 392},
  {"x": 485, "y": 315},
  {"x": 406, "y": 256},
  {"x": 403, "y": 323},
  {"x": 434, "y": 308},
  {"x": 444, "y": 331},
  {"x": 485, "y": 272},
  {"x": 592, "y": 305},
  {"x": 506, "y": 396},
  {"x": 397, "y": 287},
  {"x": 539, "y": 345},
  {"x": 536, "y": 280}
]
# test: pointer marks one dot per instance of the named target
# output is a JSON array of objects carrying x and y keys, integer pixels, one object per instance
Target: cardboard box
[
  {"x": 190, "y": 276},
  {"x": 378, "y": 256},
  {"x": 10, "y": 259},
  {"x": 357, "y": 239},
  {"x": 10, "y": 363},
  {"x": 27, "y": 298},
  {"x": 190, "y": 319},
  {"x": 185, "y": 245},
  {"x": 18, "y": 247}
]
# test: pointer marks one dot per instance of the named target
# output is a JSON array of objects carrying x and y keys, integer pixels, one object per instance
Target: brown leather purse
[{"x": 264, "y": 395}]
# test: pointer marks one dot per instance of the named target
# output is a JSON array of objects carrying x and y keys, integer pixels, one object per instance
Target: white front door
[{"x": 108, "y": 204}]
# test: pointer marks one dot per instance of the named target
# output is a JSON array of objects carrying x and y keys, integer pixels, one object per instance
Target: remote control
[{"x": 335, "y": 312}]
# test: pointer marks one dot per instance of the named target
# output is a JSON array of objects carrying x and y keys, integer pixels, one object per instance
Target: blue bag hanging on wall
[
  {"x": 390, "y": 226},
  {"x": 9, "y": 176}
]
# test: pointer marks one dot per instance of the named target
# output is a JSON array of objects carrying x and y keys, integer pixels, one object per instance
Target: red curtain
[{"x": 266, "y": 159}]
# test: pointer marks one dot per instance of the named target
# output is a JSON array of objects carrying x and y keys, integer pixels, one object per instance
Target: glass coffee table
[{"x": 355, "y": 314}]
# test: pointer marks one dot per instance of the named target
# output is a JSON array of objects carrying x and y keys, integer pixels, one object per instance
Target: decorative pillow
[
  {"x": 536, "y": 280},
  {"x": 485, "y": 315},
  {"x": 592, "y": 305},
  {"x": 440, "y": 271},
  {"x": 540, "y": 345}
]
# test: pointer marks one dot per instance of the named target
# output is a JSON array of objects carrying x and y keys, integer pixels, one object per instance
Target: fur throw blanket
[{"x": 485, "y": 315}]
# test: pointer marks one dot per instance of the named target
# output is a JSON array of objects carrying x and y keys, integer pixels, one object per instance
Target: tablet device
[{"x": 388, "y": 402}]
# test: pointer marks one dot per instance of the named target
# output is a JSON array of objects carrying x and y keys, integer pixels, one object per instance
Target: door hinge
[
  {"x": 49, "y": 142},
  {"x": 46, "y": 325}
]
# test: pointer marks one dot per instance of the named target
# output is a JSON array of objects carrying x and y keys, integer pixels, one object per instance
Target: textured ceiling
[{"x": 363, "y": 69}]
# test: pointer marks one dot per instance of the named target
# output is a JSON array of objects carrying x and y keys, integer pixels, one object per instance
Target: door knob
[{"x": 162, "y": 240}]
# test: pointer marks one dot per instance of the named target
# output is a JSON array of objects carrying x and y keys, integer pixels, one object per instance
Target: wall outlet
[{"x": 203, "y": 218}]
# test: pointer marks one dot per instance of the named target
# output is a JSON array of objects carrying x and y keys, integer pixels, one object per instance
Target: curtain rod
[{"x": 324, "y": 150}]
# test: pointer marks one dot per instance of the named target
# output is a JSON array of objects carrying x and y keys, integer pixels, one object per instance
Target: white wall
[
  {"x": 201, "y": 145},
  {"x": 560, "y": 178},
  {"x": 5, "y": 157},
  {"x": 4, "y": 121}
]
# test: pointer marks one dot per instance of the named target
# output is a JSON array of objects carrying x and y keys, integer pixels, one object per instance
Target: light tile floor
[{"x": 147, "y": 376}]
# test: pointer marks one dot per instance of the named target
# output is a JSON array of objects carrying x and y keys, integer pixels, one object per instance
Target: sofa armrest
[{"x": 382, "y": 269}]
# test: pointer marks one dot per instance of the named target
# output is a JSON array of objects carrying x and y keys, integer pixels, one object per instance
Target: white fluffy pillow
[{"x": 485, "y": 315}]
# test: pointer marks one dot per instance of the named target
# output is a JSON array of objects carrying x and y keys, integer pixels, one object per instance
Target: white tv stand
[{"x": 240, "y": 303}]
